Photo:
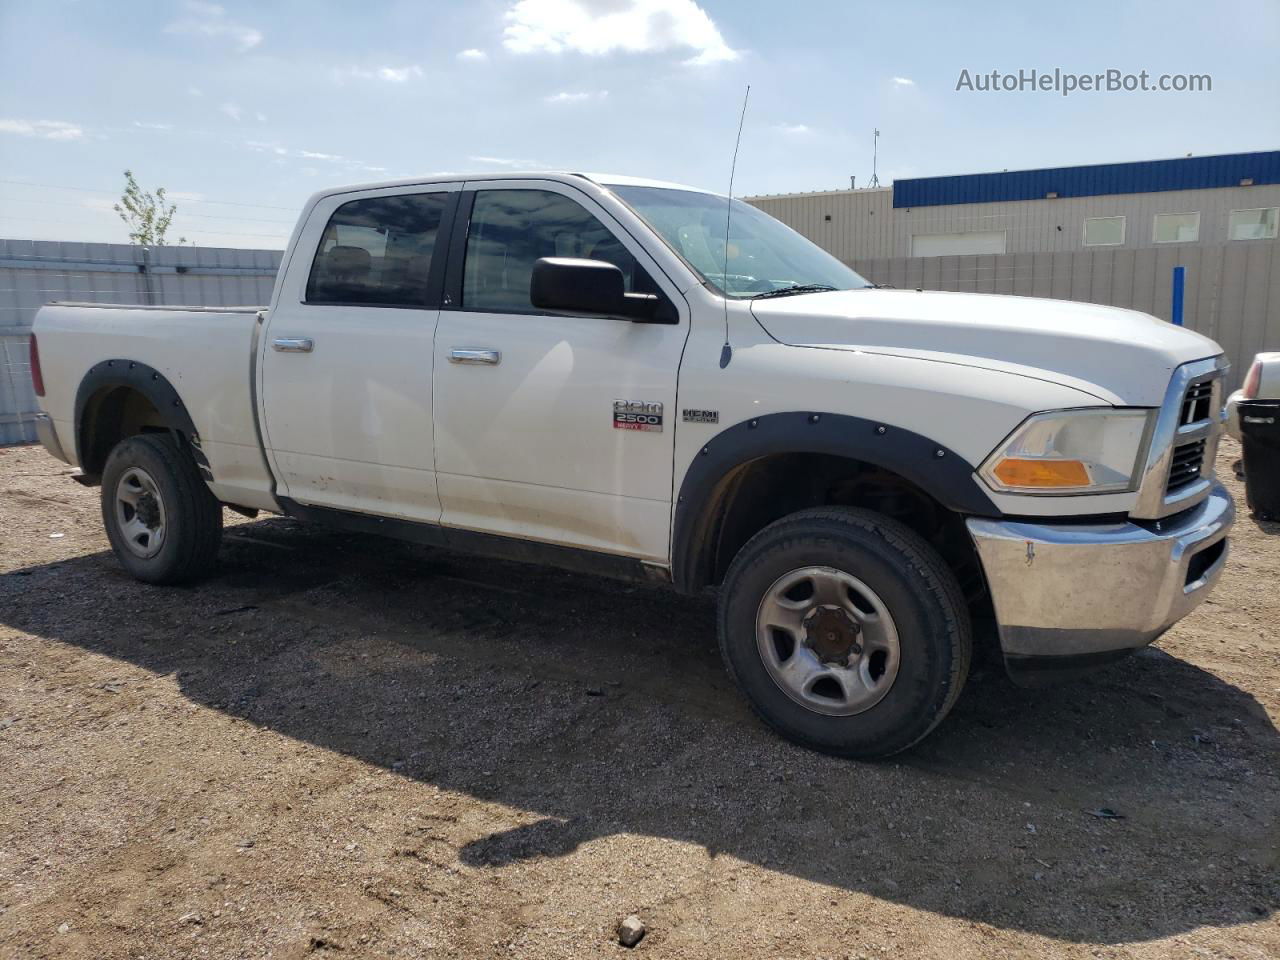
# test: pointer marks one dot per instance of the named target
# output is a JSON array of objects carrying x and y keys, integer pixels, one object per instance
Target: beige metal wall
[
  {"x": 864, "y": 223},
  {"x": 1232, "y": 289}
]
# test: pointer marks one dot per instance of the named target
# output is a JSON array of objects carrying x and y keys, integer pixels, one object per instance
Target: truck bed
[{"x": 206, "y": 353}]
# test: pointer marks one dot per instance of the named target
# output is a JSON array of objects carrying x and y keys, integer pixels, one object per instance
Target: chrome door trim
[
  {"x": 293, "y": 344},
  {"x": 476, "y": 355}
]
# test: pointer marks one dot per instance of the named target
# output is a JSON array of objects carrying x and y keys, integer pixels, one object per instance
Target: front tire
[
  {"x": 845, "y": 630},
  {"x": 163, "y": 523}
]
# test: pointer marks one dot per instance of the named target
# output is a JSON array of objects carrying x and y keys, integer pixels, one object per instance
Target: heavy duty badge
[{"x": 637, "y": 415}]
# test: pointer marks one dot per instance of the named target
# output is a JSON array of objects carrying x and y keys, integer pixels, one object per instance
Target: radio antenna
[{"x": 726, "y": 352}]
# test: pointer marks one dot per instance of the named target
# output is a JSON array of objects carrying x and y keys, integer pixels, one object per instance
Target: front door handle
[
  {"x": 474, "y": 355},
  {"x": 293, "y": 344}
]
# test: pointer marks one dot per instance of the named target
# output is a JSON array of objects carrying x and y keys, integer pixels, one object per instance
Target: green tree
[{"x": 147, "y": 214}]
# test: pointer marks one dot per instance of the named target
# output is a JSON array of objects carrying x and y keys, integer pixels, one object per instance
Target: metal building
[
  {"x": 1111, "y": 233},
  {"x": 1205, "y": 200}
]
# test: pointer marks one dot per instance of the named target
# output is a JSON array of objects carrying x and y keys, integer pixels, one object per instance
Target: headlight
[{"x": 1071, "y": 451}]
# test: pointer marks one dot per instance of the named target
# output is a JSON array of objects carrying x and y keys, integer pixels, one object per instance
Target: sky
[{"x": 242, "y": 110}]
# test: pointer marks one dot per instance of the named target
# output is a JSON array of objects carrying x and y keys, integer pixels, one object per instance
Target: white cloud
[
  {"x": 148, "y": 125},
  {"x": 471, "y": 53},
  {"x": 43, "y": 129},
  {"x": 99, "y": 204},
  {"x": 598, "y": 27},
  {"x": 507, "y": 162},
  {"x": 194, "y": 92},
  {"x": 904, "y": 82},
  {"x": 262, "y": 117},
  {"x": 231, "y": 110},
  {"x": 398, "y": 74},
  {"x": 387, "y": 74},
  {"x": 793, "y": 129},
  {"x": 279, "y": 154},
  {"x": 565, "y": 96},
  {"x": 210, "y": 20}
]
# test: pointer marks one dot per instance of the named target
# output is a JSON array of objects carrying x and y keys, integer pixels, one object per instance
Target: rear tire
[
  {"x": 163, "y": 523},
  {"x": 846, "y": 631}
]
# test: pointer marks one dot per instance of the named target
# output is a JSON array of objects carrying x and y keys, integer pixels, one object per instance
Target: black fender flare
[
  {"x": 152, "y": 384},
  {"x": 937, "y": 470}
]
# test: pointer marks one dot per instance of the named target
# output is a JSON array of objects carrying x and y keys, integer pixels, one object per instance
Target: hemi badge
[{"x": 701, "y": 416}]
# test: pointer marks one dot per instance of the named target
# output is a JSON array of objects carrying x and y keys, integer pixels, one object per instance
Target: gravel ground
[{"x": 349, "y": 746}]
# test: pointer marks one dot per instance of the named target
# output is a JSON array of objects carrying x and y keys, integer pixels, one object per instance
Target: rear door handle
[
  {"x": 474, "y": 355},
  {"x": 293, "y": 344}
]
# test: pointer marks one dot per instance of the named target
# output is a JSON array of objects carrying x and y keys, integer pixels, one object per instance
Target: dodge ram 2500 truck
[{"x": 594, "y": 372}]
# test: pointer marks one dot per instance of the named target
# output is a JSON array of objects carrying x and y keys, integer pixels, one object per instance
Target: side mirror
[{"x": 593, "y": 287}]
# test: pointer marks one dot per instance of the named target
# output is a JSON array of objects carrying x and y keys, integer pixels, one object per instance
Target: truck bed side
[{"x": 205, "y": 353}]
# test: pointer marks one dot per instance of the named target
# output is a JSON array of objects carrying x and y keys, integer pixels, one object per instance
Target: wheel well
[
  {"x": 113, "y": 414},
  {"x": 757, "y": 493}
]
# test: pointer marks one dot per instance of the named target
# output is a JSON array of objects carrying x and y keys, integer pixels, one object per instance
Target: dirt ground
[{"x": 347, "y": 746}]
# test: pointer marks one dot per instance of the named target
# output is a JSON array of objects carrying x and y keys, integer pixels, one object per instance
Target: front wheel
[
  {"x": 846, "y": 631},
  {"x": 163, "y": 523}
]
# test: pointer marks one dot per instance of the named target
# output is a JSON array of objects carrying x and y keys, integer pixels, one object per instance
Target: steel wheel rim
[
  {"x": 828, "y": 641},
  {"x": 140, "y": 513}
]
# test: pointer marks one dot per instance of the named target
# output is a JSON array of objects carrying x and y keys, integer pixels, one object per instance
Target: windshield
[{"x": 764, "y": 255}]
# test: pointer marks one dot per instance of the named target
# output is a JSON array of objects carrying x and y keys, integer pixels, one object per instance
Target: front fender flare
[{"x": 940, "y": 472}]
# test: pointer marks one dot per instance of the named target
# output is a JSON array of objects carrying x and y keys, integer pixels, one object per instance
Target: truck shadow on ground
[{"x": 601, "y": 708}]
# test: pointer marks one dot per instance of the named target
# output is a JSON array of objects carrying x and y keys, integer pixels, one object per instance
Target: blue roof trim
[{"x": 1147, "y": 176}]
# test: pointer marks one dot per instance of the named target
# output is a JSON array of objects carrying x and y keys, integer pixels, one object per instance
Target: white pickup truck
[{"x": 581, "y": 371}]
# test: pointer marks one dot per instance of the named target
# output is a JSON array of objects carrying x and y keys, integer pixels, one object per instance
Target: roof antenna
[
  {"x": 875, "y": 156},
  {"x": 726, "y": 352}
]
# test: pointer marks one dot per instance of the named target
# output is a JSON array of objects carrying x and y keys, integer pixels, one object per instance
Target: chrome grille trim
[{"x": 1190, "y": 419}]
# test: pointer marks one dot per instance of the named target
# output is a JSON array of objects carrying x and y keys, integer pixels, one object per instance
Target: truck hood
[{"x": 1120, "y": 356}]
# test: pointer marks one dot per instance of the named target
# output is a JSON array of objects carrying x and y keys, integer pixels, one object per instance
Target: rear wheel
[
  {"x": 845, "y": 630},
  {"x": 163, "y": 523}
]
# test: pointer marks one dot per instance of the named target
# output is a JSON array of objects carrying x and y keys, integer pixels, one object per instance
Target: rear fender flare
[{"x": 150, "y": 383}]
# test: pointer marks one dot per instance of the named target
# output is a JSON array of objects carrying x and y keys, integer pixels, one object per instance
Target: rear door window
[{"x": 378, "y": 251}]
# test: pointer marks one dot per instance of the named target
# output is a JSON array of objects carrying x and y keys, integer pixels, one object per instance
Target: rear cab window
[{"x": 378, "y": 251}]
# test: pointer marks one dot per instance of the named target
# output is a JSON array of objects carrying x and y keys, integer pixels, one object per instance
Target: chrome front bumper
[{"x": 1085, "y": 593}]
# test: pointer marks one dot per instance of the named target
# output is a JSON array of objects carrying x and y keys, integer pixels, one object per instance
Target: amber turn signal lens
[{"x": 1026, "y": 472}]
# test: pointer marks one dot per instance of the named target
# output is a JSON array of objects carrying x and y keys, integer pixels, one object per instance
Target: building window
[
  {"x": 1176, "y": 228},
  {"x": 1104, "y": 231},
  {"x": 1253, "y": 224},
  {"x": 958, "y": 244}
]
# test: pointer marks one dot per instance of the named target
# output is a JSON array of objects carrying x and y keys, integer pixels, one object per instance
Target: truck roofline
[{"x": 561, "y": 176}]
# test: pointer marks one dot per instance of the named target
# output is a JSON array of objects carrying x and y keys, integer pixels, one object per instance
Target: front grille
[
  {"x": 1187, "y": 464},
  {"x": 1195, "y": 405},
  {"x": 1184, "y": 438}
]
